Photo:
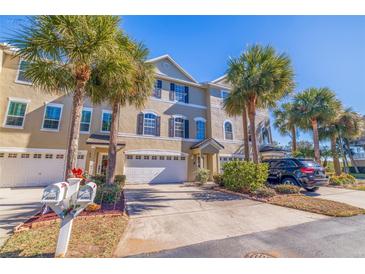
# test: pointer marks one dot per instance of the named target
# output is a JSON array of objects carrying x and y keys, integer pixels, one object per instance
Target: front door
[{"x": 102, "y": 163}]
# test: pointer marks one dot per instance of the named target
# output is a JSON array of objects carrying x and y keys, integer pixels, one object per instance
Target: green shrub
[
  {"x": 287, "y": 189},
  {"x": 99, "y": 180},
  {"x": 120, "y": 180},
  {"x": 218, "y": 179},
  {"x": 244, "y": 176},
  {"x": 108, "y": 193},
  {"x": 202, "y": 175},
  {"x": 265, "y": 192},
  {"x": 342, "y": 179}
]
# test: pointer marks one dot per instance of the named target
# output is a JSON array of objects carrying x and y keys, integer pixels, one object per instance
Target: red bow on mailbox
[{"x": 77, "y": 172}]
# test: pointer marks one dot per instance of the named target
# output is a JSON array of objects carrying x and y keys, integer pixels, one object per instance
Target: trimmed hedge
[
  {"x": 287, "y": 189},
  {"x": 202, "y": 175},
  {"x": 244, "y": 176},
  {"x": 265, "y": 192},
  {"x": 218, "y": 179},
  {"x": 342, "y": 179}
]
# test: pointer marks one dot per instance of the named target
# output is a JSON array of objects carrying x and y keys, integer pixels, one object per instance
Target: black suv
[{"x": 305, "y": 173}]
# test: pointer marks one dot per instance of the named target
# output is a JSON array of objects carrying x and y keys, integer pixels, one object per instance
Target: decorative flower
[{"x": 78, "y": 173}]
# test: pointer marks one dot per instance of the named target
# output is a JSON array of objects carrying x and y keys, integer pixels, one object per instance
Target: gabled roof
[
  {"x": 207, "y": 141},
  {"x": 219, "y": 79},
  {"x": 168, "y": 57}
]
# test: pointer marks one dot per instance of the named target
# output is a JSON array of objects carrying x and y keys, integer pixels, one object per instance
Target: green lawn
[{"x": 92, "y": 237}]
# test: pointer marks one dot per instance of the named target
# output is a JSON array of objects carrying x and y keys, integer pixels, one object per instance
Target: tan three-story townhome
[{"x": 182, "y": 127}]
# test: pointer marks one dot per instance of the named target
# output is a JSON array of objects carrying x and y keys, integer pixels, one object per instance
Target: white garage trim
[
  {"x": 157, "y": 152},
  {"x": 35, "y": 150}
]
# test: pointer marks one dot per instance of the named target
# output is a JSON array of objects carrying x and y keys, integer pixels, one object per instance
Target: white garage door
[
  {"x": 155, "y": 169},
  {"x": 36, "y": 168}
]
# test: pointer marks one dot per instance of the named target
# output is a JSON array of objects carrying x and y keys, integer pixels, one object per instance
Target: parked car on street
[{"x": 304, "y": 173}]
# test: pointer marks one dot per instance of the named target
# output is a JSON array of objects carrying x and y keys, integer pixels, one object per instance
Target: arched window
[
  {"x": 149, "y": 124},
  {"x": 228, "y": 130},
  {"x": 200, "y": 128}
]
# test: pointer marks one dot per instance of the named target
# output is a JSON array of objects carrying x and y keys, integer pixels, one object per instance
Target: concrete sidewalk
[
  {"x": 348, "y": 196},
  {"x": 16, "y": 206},
  {"x": 168, "y": 216}
]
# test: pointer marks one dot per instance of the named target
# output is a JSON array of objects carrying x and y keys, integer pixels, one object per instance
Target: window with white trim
[
  {"x": 149, "y": 124},
  {"x": 179, "y": 125},
  {"x": 85, "y": 120},
  {"x": 157, "y": 89},
  {"x": 37, "y": 156},
  {"x": 106, "y": 121},
  {"x": 224, "y": 94},
  {"x": 52, "y": 117},
  {"x": 15, "y": 113},
  {"x": 21, "y": 72},
  {"x": 12, "y": 155},
  {"x": 180, "y": 93},
  {"x": 228, "y": 131},
  {"x": 24, "y": 155},
  {"x": 200, "y": 129}
]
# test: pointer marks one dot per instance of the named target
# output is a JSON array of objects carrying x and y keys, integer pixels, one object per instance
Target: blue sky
[{"x": 325, "y": 50}]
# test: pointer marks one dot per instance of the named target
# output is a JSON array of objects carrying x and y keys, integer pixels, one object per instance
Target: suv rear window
[{"x": 310, "y": 163}]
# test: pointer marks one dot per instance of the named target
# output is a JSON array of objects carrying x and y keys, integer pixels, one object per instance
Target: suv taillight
[{"x": 307, "y": 170}]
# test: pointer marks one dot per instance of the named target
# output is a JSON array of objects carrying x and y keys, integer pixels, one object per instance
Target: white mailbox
[
  {"x": 86, "y": 193},
  {"x": 54, "y": 193}
]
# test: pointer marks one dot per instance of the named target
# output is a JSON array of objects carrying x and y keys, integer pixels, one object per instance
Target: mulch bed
[
  {"x": 39, "y": 219},
  {"x": 305, "y": 203}
]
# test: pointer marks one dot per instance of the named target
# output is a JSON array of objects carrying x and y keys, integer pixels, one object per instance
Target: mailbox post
[{"x": 67, "y": 200}]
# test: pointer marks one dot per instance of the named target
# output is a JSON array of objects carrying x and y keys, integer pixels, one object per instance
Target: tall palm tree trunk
[
  {"x": 73, "y": 142},
  {"x": 336, "y": 160},
  {"x": 293, "y": 139},
  {"x": 112, "y": 153},
  {"x": 344, "y": 158},
  {"x": 317, "y": 155},
  {"x": 352, "y": 160},
  {"x": 252, "y": 116},
  {"x": 245, "y": 134}
]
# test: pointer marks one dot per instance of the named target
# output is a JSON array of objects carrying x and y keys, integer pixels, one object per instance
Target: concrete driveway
[
  {"x": 168, "y": 216},
  {"x": 16, "y": 206},
  {"x": 348, "y": 196}
]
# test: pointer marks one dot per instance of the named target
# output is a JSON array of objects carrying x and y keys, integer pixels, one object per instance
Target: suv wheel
[{"x": 289, "y": 181}]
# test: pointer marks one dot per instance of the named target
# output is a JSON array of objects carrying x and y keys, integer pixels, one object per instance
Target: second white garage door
[{"x": 155, "y": 169}]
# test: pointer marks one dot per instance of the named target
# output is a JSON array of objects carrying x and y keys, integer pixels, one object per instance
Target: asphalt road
[{"x": 333, "y": 237}]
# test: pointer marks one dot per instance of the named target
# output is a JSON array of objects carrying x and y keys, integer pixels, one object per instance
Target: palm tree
[
  {"x": 314, "y": 106},
  {"x": 262, "y": 77},
  {"x": 121, "y": 78},
  {"x": 351, "y": 126},
  {"x": 286, "y": 124},
  {"x": 330, "y": 131},
  {"x": 61, "y": 51},
  {"x": 234, "y": 105}
]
